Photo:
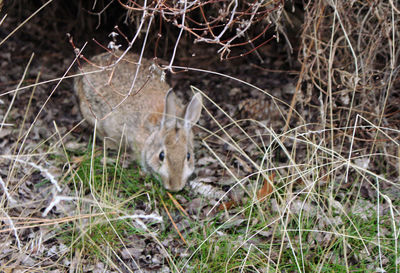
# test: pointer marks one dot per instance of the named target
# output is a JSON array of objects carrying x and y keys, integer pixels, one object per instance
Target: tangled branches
[{"x": 227, "y": 23}]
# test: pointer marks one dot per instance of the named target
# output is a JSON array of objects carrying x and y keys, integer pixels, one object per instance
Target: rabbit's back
[{"x": 104, "y": 95}]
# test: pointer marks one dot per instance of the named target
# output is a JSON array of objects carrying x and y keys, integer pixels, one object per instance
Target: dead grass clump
[{"x": 350, "y": 65}]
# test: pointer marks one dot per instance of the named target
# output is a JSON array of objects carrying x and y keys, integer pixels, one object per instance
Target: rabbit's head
[{"x": 168, "y": 152}]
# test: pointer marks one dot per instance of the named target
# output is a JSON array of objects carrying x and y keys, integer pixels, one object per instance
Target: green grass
[
  {"x": 100, "y": 174},
  {"x": 252, "y": 237},
  {"x": 228, "y": 249},
  {"x": 91, "y": 241},
  {"x": 117, "y": 191}
]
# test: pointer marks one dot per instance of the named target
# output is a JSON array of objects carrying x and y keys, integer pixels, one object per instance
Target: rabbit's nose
[{"x": 175, "y": 186}]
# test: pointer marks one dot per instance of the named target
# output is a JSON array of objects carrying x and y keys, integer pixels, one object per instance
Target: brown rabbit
[{"x": 158, "y": 129}]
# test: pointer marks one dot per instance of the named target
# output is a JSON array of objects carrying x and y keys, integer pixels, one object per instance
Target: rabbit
[{"x": 157, "y": 127}]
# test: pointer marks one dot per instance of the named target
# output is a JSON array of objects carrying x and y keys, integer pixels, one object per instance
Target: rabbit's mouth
[
  {"x": 174, "y": 189},
  {"x": 174, "y": 184}
]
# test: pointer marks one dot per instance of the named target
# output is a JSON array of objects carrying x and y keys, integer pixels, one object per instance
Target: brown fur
[{"x": 149, "y": 129}]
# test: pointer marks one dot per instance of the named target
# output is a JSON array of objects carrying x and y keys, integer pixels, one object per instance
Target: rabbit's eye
[
  {"x": 188, "y": 156},
  {"x": 161, "y": 156}
]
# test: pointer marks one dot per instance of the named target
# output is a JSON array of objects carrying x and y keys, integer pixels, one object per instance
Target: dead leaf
[
  {"x": 75, "y": 146},
  {"x": 227, "y": 205},
  {"x": 5, "y": 132},
  {"x": 206, "y": 190},
  {"x": 266, "y": 189},
  {"x": 77, "y": 159},
  {"x": 206, "y": 160},
  {"x": 135, "y": 252}
]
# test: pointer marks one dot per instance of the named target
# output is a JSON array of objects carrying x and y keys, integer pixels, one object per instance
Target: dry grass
[{"x": 313, "y": 182}]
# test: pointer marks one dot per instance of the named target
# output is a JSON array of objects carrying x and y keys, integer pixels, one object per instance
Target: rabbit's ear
[
  {"x": 193, "y": 111},
  {"x": 169, "y": 116}
]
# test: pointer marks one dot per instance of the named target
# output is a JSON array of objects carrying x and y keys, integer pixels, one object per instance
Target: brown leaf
[
  {"x": 227, "y": 205},
  {"x": 266, "y": 189}
]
